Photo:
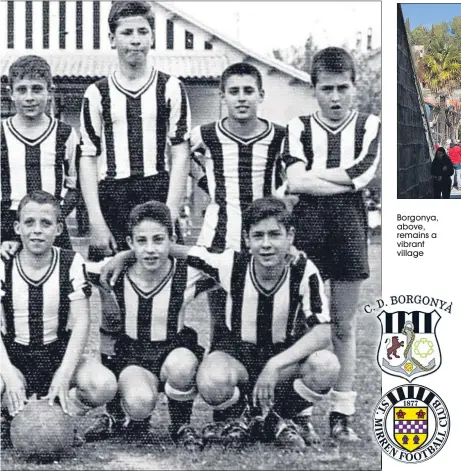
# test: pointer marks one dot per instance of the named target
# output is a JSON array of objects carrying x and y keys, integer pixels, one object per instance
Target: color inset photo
[{"x": 429, "y": 101}]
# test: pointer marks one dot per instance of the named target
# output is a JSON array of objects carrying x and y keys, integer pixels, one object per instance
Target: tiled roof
[{"x": 98, "y": 64}]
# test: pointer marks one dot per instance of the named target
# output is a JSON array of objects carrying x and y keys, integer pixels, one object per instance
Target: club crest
[
  {"x": 409, "y": 347},
  {"x": 411, "y": 423},
  {"x": 410, "y": 427}
]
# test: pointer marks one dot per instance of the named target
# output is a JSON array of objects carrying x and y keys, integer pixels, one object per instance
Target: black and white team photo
[{"x": 190, "y": 227}]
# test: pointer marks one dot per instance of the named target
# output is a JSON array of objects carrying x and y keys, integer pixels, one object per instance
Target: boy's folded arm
[
  {"x": 302, "y": 181},
  {"x": 338, "y": 176}
]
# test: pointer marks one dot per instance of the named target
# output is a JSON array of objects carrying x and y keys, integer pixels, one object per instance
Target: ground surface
[{"x": 117, "y": 455}]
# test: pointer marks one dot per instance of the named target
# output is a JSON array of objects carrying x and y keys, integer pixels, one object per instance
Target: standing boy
[
  {"x": 128, "y": 119},
  {"x": 38, "y": 152},
  {"x": 331, "y": 155},
  {"x": 45, "y": 318}
]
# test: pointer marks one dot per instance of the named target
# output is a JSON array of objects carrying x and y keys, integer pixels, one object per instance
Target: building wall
[{"x": 414, "y": 152}]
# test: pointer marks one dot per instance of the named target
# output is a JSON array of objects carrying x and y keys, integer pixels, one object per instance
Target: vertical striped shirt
[
  {"x": 353, "y": 146},
  {"x": 129, "y": 130},
  {"x": 260, "y": 316},
  {"x": 156, "y": 315},
  {"x": 238, "y": 171},
  {"x": 36, "y": 312},
  {"x": 47, "y": 162}
]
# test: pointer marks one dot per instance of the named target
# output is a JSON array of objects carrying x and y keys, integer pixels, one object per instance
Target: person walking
[{"x": 442, "y": 170}]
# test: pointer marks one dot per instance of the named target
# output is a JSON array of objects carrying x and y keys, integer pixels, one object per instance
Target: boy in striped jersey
[
  {"x": 45, "y": 318},
  {"x": 154, "y": 351},
  {"x": 331, "y": 156},
  {"x": 239, "y": 159},
  {"x": 128, "y": 121},
  {"x": 271, "y": 351},
  {"x": 38, "y": 152}
]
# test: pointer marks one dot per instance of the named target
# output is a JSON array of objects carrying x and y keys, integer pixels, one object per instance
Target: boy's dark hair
[
  {"x": 30, "y": 67},
  {"x": 40, "y": 197},
  {"x": 265, "y": 208},
  {"x": 241, "y": 68},
  {"x": 153, "y": 210},
  {"x": 332, "y": 59},
  {"x": 122, "y": 9}
]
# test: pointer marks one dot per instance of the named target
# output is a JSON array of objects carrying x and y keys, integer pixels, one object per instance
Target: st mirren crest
[{"x": 409, "y": 346}]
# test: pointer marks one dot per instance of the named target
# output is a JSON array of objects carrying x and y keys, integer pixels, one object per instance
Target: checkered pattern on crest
[{"x": 411, "y": 426}]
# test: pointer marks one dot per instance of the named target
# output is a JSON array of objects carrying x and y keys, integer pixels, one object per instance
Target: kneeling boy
[
  {"x": 272, "y": 351},
  {"x": 45, "y": 318},
  {"x": 155, "y": 350}
]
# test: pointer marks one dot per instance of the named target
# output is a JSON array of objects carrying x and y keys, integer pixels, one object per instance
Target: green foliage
[
  {"x": 442, "y": 59},
  {"x": 442, "y": 68}
]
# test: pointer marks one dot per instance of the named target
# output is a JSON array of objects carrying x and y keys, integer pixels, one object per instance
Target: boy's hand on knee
[
  {"x": 59, "y": 388},
  {"x": 15, "y": 393}
]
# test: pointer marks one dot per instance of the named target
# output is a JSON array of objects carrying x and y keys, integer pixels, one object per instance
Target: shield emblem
[
  {"x": 409, "y": 347},
  {"x": 410, "y": 427}
]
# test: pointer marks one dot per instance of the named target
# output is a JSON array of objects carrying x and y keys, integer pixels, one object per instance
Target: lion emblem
[{"x": 392, "y": 350}]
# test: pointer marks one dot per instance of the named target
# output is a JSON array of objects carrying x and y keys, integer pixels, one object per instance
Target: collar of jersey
[
  {"x": 337, "y": 129},
  {"x": 158, "y": 288},
  {"x": 260, "y": 288},
  {"x": 137, "y": 93},
  {"x": 36, "y": 283},
  {"x": 26, "y": 140},
  {"x": 241, "y": 140}
]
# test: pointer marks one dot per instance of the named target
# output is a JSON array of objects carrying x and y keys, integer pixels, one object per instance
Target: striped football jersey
[
  {"x": 237, "y": 172},
  {"x": 255, "y": 314},
  {"x": 129, "y": 130},
  {"x": 36, "y": 312},
  {"x": 46, "y": 163}
]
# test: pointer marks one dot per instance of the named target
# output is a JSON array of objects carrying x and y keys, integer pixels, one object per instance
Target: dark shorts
[
  {"x": 37, "y": 364},
  {"x": 118, "y": 197},
  {"x": 333, "y": 231},
  {"x": 151, "y": 355},
  {"x": 8, "y": 218},
  {"x": 251, "y": 356}
]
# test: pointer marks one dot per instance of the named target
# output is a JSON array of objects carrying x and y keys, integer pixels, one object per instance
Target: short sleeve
[
  {"x": 180, "y": 116},
  {"x": 72, "y": 156},
  {"x": 78, "y": 278},
  {"x": 91, "y": 122},
  {"x": 293, "y": 149},
  {"x": 362, "y": 170},
  {"x": 315, "y": 304}
]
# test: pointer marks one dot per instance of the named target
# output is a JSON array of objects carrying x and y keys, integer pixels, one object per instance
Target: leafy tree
[{"x": 419, "y": 36}]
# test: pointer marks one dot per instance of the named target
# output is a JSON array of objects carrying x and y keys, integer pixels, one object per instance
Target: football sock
[
  {"x": 288, "y": 403},
  {"x": 230, "y": 409},
  {"x": 179, "y": 395},
  {"x": 180, "y": 412},
  {"x": 343, "y": 402}
]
